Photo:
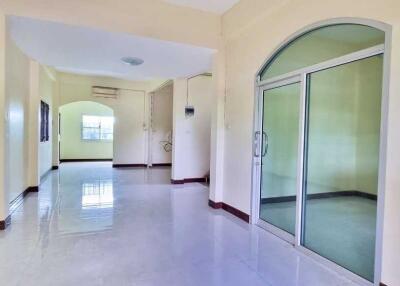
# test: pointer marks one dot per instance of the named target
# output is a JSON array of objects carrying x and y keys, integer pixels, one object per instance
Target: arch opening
[{"x": 86, "y": 131}]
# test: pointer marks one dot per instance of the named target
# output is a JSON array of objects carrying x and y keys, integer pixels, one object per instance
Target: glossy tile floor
[
  {"x": 94, "y": 225},
  {"x": 341, "y": 229}
]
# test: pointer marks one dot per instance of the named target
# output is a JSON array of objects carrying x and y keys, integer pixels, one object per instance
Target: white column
[
  {"x": 178, "y": 127},
  {"x": 3, "y": 190},
  {"x": 218, "y": 129},
  {"x": 55, "y": 127},
  {"x": 33, "y": 125}
]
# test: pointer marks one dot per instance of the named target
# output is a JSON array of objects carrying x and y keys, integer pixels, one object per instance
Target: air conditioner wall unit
[{"x": 105, "y": 92}]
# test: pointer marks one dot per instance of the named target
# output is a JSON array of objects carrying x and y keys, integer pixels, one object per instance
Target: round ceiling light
[{"x": 132, "y": 61}]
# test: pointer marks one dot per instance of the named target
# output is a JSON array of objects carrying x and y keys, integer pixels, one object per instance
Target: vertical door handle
[
  {"x": 264, "y": 143},
  {"x": 256, "y": 140}
]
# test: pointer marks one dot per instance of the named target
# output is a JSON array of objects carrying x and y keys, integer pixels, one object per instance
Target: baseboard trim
[
  {"x": 5, "y": 223},
  {"x": 161, "y": 165},
  {"x": 215, "y": 205},
  {"x": 33, "y": 189},
  {"x": 129, "y": 166},
  {"x": 15, "y": 203},
  {"x": 188, "y": 180},
  {"x": 54, "y": 167},
  {"x": 85, "y": 160},
  {"x": 21, "y": 196},
  {"x": 321, "y": 196},
  {"x": 228, "y": 208}
]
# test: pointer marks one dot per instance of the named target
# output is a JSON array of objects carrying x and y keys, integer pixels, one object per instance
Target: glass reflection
[{"x": 97, "y": 194}]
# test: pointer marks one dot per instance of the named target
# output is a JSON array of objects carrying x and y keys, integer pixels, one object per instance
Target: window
[
  {"x": 320, "y": 45},
  {"x": 44, "y": 122},
  {"x": 97, "y": 127}
]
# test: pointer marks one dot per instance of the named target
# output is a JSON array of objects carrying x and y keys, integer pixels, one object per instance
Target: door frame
[
  {"x": 301, "y": 74},
  {"x": 257, "y": 158}
]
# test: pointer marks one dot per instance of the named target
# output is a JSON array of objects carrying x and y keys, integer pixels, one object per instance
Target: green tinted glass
[{"x": 321, "y": 45}]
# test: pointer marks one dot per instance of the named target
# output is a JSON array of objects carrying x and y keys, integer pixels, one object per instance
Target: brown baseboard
[
  {"x": 188, "y": 180},
  {"x": 215, "y": 205},
  {"x": 85, "y": 160},
  {"x": 34, "y": 189},
  {"x": 5, "y": 223},
  {"x": 129, "y": 165},
  {"x": 14, "y": 204},
  {"x": 161, "y": 165},
  {"x": 229, "y": 209},
  {"x": 54, "y": 167},
  {"x": 22, "y": 195}
]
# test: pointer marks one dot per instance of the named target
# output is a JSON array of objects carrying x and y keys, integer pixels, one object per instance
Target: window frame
[
  {"x": 99, "y": 128},
  {"x": 44, "y": 122}
]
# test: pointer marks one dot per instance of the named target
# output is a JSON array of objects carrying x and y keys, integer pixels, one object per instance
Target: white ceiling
[
  {"x": 215, "y": 6},
  {"x": 94, "y": 52}
]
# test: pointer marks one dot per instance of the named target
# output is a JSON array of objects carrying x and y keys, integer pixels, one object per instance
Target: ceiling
[
  {"x": 214, "y": 6},
  {"x": 90, "y": 51}
]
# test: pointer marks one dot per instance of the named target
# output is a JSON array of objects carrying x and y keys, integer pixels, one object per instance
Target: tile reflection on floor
[{"x": 91, "y": 224}]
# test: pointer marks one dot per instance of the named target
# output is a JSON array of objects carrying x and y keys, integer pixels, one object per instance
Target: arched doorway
[
  {"x": 318, "y": 134},
  {"x": 86, "y": 131}
]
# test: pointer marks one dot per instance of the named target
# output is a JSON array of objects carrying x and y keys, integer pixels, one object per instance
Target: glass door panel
[
  {"x": 341, "y": 163},
  {"x": 280, "y": 133}
]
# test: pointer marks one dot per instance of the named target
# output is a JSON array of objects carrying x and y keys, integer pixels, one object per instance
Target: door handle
[
  {"x": 264, "y": 144},
  {"x": 256, "y": 140}
]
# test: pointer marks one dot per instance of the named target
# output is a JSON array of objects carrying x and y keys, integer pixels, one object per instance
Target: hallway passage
[{"x": 91, "y": 224}]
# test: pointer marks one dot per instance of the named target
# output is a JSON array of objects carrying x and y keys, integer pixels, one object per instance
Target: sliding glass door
[
  {"x": 341, "y": 163},
  {"x": 317, "y": 145},
  {"x": 280, "y": 133}
]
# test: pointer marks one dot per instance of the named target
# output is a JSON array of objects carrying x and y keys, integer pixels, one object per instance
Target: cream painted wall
[
  {"x": 72, "y": 145},
  {"x": 130, "y": 111},
  {"x": 161, "y": 124},
  {"x": 252, "y": 30},
  {"x": 25, "y": 84},
  {"x": 17, "y": 96},
  {"x": 191, "y": 136},
  {"x": 47, "y": 92}
]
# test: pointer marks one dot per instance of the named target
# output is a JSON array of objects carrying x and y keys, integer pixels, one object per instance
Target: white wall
[
  {"x": 130, "y": 112},
  {"x": 3, "y": 190},
  {"x": 174, "y": 23},
  {"x": 161, "y": 124},
  {"x": 191, "y": 135}
]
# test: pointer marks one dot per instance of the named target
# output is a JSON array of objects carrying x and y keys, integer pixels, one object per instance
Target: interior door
[{"x": 279, "y": 138}]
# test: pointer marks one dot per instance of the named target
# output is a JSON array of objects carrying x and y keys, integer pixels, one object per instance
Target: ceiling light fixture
[{"x": 132, "y": 61}]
